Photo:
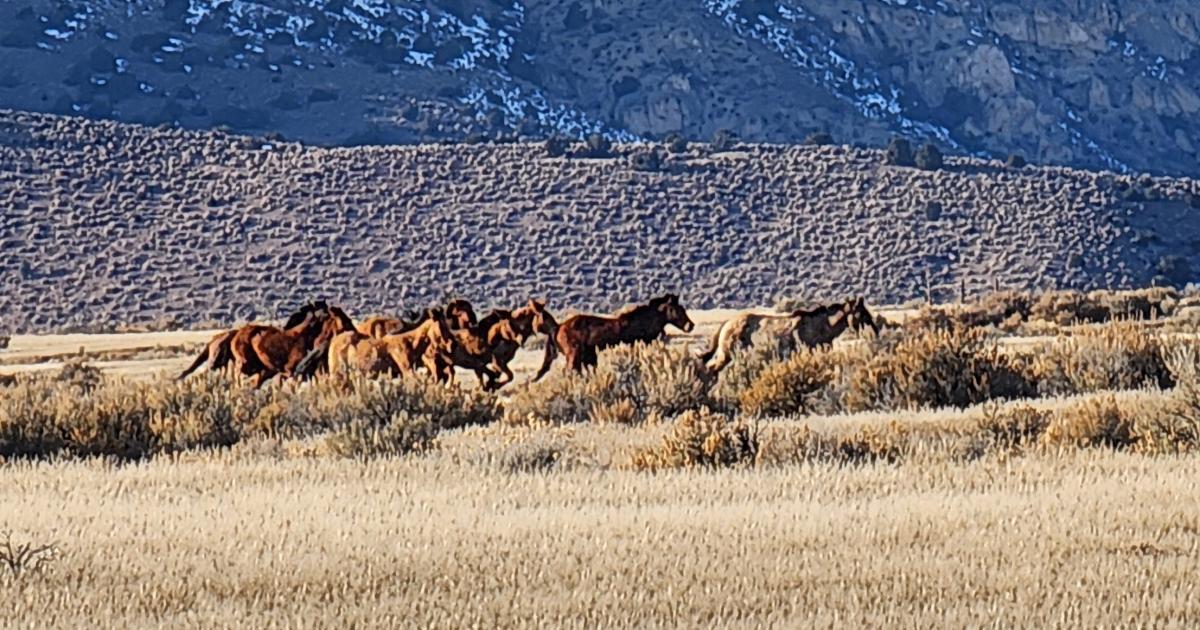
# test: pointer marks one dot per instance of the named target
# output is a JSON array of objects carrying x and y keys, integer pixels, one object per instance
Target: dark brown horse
[
  {"x": 816, "y": 327},
  {"x": 459, "y": 315},
  {"x": 218, "y": 353},
  {"x": 581, "y": 336},
  {"x": 488, "y": 347}
]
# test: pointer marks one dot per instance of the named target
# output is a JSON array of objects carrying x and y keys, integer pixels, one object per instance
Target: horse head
[
  {"x": 460, "y": 314},
  {"x": 673, "y": 311},
  {"x": 858, "y": 317}
]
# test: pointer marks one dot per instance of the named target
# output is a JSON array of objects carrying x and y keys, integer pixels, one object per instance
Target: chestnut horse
[
  {"x": 488, "y": 347},
  {"x": 581, "y": 336},
  {"x": 813, "y": 328},
  {"x": 264, "y": 351},
  {"x": 459, "y": 315},
  {"x": 218, "y": 353}
]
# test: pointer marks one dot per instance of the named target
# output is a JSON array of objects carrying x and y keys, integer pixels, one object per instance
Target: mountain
[
  {"x": 106, "y": 223},
  {"x": 1105, "y": 84}
]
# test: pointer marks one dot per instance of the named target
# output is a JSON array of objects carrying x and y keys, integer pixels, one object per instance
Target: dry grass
[
  {"x": 629, "y": 496},
  {"x": 1095, "y": 538}
]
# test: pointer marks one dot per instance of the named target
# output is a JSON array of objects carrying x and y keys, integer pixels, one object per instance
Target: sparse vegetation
[
  {"x": 899, "y": 153},
  {"x": 557, "y": 146},
  {"x": 676, "y": 143},
  {"x": 818, "y": 139},
  {"x": 597, "y": 146},
  {"x": 929, "y": 157},
  {"x": 723, "y": 140}
]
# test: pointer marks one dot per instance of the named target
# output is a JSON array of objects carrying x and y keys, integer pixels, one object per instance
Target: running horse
[
  {"x": 580, "y": 337},
  {"x": 816, "y": 327}
]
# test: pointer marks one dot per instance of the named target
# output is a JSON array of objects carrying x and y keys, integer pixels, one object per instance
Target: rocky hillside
[
  {"x": 1106, "y": 84},
  {"x": 104, "y": 223}
]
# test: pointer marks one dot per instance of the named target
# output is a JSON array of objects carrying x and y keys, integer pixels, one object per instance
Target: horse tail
[
  {"x": 707, "y": 355},
  {"x": 313, "y": 361},
  {"x": 200, "y": 360},
  {"x": 221, "y": 356},
  {"x": 550, "y": 355}
]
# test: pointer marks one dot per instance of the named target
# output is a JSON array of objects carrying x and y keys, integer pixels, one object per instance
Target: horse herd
[{"x": 320, "y": 338}]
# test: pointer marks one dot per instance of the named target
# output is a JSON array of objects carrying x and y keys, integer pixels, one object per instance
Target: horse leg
[
  {"x": 548, "y": 358},
  {"x": 590, "y": 358}
]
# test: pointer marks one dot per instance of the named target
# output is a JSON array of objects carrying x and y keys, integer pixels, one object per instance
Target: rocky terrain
[
  {"x": 104, "y": 223},
  {"x": 1107, "y": 84}
]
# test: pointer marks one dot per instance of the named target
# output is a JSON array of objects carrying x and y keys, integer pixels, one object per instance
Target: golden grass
[
  {"x": 1095, "y": 538},
  {"x": 628, "y": 497}
]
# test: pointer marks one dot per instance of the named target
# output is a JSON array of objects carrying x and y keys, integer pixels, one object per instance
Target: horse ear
[{"x": 673, "y": 298}]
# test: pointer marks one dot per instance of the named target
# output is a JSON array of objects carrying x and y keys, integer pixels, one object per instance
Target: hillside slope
[
  {"x": 103, "y": 222},
  {"x": 1109, "y": 84}
]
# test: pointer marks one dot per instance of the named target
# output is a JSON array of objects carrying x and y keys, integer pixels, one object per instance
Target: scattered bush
[
  {"x": 700, "y": 438},
  {"x": 74, "y": 415},
  {"x": 723, "y": 140},
  {"x": 676, "y": 143},
  {"x": 597, "y": 146},
  {"x": 1092, "y": 423},
  {"x": 789, "y": 386},
  {"x": 1009, "y": 430},
  {"x": 934, "y": 368},
  {"x": 557, "y": 146},
  {"x": 899, "y": 153},
  {"x": 1117, "y": 356},
  {"x": 929, "y": 157},
  {"x": 646, "y": 161},
  {"x": 818, "y": 139},
  {"x": 658, "y": 381}
]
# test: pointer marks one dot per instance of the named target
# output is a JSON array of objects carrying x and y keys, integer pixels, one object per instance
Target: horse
[
  {"x": 264, "y": 351},
  {"x": 488, "y": 347},
  {"x": 399, "y": 354},
  {"x": 459, "y": 315},
  {"x": 581, "y": 336},
  {"x": 816, "y": 327},
  {"x": 218, "y": 352},
  {"x": 318, "y": 358}
]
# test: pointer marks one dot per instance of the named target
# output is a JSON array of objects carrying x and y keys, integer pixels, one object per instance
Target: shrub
[
  {"x": 818, "y": 139},
  {"x": 1015, "y": 160},
  {"x": 676, "y": 143},
  {"x": 1117, "y": 356},
  {"x": 723, "y": 140},
  {"x": 557, "y": 146},
  {"x": 929, "y": 157},
  {"x": 700, "y": 438},
  {"x": 597, "y": 146},
  {"x": 934, "y": 368},
  {"x": 365, "y": 438},
  {"x": 899, "y": 153},
  {"x": 646, "y": 161},
  {"x": 789, "y": 386},
  {"x": 1091, "y": 423},
  {"x": 1009, "y": 430},
  {"x": 655, "y": 379},
  {"x": 46, "y": 417}
]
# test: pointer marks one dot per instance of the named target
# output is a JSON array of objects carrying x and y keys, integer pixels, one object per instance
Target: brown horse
[
  {"x": 813, "y": 328},
  {"x": 264, "y": 351},
  {"x": 581, "y": 336},
  {"x": 399, "y": 354},
  {"x": 218, "y": 353},
  {"x": 459, "y": 315},
  {"x": 488, "y": 347}
]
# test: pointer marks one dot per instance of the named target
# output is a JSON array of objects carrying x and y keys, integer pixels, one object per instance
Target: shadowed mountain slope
[{"x": 103, "y": 222}]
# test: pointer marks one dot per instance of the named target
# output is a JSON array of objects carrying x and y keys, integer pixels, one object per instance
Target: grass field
[{"x": 1075, "y": 508}]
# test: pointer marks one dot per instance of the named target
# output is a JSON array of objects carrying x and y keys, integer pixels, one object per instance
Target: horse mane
[
  {"x": 297, "y": 318},
  {"x": 491, "y": 319},
  {"x": 342, "y": 317}
]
